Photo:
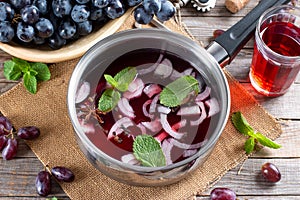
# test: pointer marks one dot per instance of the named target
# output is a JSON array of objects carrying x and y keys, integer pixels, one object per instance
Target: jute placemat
[{"x": 57, "y": 145}]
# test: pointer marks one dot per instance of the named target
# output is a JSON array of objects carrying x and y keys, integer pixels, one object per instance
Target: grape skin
[
  {"x": 5, "y": 126},
  {"x": 270, "y": 172},
  {"x": 10, "y": 150},
  {"x": 43, "y": 183},
  {"x": 222, "y": 194},
  {"x": 28, "y": 132},
  {"x": 63, "y": 174},
  {"x": 3, "y": 141}
]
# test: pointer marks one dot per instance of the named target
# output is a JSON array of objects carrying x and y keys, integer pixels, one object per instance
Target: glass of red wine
[{"x": 276, "y": 56}]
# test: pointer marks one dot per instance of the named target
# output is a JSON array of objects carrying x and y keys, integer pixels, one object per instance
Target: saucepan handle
[{"x": 225, "y": 47}]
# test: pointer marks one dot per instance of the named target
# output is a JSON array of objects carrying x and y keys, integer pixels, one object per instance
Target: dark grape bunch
[
  {"x": 9, "y": 138},
  {"x": 57, "y": 22},
  {"x": 43, "y": 178}
]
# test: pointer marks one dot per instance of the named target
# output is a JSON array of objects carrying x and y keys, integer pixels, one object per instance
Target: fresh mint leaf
[
  {"x": 30, "y": 82},
  {"x": 43, "y": 72},
  {"x": 108, "y": 100},
  {"x": 175, "y": 92},
  {"x": 249, "y": 145},
  {"x": 124, "y": 78},
  {"x": 22, "y": 64},
  {"x": 241, "y": 124},
  {"x": 263, "y": 140},
  {"x": 148, "y": 151},
  {"x": 110, "y": 80},
  {"x": 12, "y": 71}
]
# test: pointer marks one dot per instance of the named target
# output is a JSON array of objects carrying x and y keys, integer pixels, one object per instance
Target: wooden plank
[
  {"x": 246, "y": 179},
  {"x": 18, "y": 178}
]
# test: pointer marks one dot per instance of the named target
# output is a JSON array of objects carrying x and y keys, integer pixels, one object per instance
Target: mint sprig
[
  {"x": 148, "y": 151},
  {"x": 32, "y": 73},
  {"x": 120, "y": 82},
  {"x": 254, "y": 137},
  {"x": 175, "y": 92}
]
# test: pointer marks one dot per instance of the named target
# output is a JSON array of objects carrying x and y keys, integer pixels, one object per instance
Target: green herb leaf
[
  {"x": 249, "y": 145},
  {"x": 266, "y": 141},
  {"x": 175, "y": 92},
  {"x": 110, "y": 80},
  {"x": 241, "y": 124},
  {"x": 108, "y": 100},
  {"x": 148, "y": 151},
  {"x": 43, "y": 72},
  {"x": 30, "y": 82},
  {"x": 124, "y": 78},
  {"x": 12, "y": 71},
  {"x": 22, "y": 64}
]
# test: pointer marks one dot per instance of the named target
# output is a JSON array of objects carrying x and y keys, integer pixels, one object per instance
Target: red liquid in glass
[{"x": 274, "y": 79}]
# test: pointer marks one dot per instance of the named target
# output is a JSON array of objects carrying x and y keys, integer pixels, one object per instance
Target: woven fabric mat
[{"x": 57, "y": 145}]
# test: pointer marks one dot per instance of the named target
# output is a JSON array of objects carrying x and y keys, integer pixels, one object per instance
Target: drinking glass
[{"x": 276, "y": 56}]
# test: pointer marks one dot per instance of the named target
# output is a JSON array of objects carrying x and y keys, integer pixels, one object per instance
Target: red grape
[
  {"x": 43, "y": 183},
  {"x": 62, "y": 174},
  {"x": 28, "y": 132},
  {"x": 222, "y": 194},
  {"x": 5, "y": 126},
  {"x": 3, "y": 141},
  {"x": 270, "y": 172},
  {"x": 10, "y": 150}
]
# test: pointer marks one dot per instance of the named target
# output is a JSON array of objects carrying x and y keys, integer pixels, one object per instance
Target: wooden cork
[{"x": 235, "y": 5}]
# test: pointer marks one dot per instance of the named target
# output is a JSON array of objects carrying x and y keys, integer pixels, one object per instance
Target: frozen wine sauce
[
  {"x": 275, "y": 77},
  {"x": 181, "y": 130}
]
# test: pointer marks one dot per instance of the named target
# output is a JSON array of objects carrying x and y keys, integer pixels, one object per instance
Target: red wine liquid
[
  {"x": 141, "y": 59},
  {"x": 273, "y": 78}
]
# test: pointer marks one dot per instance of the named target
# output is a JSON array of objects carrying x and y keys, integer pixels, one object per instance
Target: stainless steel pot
[{"x": 206, "y": 61}]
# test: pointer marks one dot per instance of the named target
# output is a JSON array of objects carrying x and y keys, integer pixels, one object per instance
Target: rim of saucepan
[
  {"x": 262, "y": 46},
  {"x": 149, "y": 33}
]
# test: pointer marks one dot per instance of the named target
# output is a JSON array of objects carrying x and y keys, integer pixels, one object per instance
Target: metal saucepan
[{"x": 207, "y": 61}]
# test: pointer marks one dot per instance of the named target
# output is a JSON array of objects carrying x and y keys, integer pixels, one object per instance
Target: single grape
[
  {"x": 115, "y": 9},
  {"x": 5, "y": 125},
  {"x": 67, "y": 29},
  {"x": 82, "y": 1},
  {"x": 3, "y": 141},
  {"x": 217, "y": 33},
  {"x": 100, "y": 3},
  {"x": 133, "y": 2},
  {"x": 38, "y": 40},
  {"x": 7, "y": 33},
  {"x": 28, "y": 132},
  {"x": 222, "y": 194},
  {"x": 19, "y": 4},
  {"x": 6, "y": 12},
  {"x": 96, "y": 13},
  {"x": 44, "y": 28},
  {"x": 84, "y": 28},
  {"x": 43, "y": 183},
  {"x": 166, "y": 12},
  {"x": 270, "y": 172},
  {"x": 61, "y": 8},
  {"x": 25, "y": 32},
  {"x": 30, "y": 14},
  {"x": 152, "y": 6},
  {"x": 63, "y": 174},
  {"x": 56, "y": 42},
  {"x": 10, "y": 150},
  {"x": 141, "y": 16},
  {"x": 42, "y": 5},
  {"x": 80, "y": 13}
]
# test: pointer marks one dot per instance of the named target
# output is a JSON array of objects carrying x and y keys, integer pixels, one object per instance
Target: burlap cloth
[{"x": 57, "y": 145}]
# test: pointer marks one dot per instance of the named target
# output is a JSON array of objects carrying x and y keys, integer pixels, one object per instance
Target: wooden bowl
[{"x": 68, "y": 52}]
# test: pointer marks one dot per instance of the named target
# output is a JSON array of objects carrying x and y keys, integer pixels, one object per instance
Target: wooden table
[{"x": 17, "y": 177}]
